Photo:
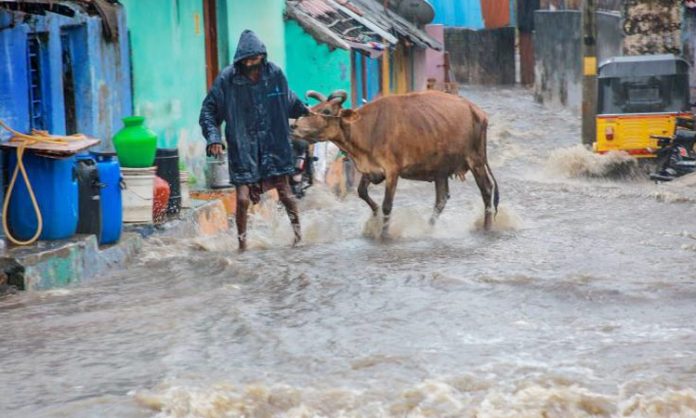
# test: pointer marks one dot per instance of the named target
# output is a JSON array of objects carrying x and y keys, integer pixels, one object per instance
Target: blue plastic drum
[
  {"x": 111, "y": 200},
  {"x": 55, "y": 187}
]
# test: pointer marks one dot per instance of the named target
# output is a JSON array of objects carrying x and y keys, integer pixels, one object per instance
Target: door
[{"x": 212, "y": 64}]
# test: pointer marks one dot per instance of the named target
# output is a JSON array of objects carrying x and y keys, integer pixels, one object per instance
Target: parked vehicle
[
  {"x": 675, "y": 156},
  {"x": 640, "y": 98},
  {"x": 303, "y": 178}
]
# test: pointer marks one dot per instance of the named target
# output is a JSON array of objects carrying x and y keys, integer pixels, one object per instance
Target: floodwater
[{"x": 580, "y": 303}]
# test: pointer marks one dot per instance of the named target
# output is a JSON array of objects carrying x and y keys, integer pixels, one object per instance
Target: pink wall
[
  {"x": 433, "y": 59},
  {"x": 419, "y": 69}
]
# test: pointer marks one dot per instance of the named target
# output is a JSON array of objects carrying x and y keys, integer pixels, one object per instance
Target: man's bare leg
[
  {"x": 242, "y": 215},
  {"x": 288, "y": 200}
]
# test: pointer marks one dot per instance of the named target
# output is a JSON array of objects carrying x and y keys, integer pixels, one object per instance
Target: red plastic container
[{"x": 161, "y": 200}]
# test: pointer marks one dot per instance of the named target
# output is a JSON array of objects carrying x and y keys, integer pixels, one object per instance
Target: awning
[
  {"x": 358, "y": 25},
  {"x": 106, "y": 9},
  {"x": 393, "y": 22},
  {"x": 332, "y": 24}
]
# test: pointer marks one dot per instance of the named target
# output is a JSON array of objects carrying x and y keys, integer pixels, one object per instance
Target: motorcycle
[
  {"x": 303, "y": 178},
  {"x": 675, "y": 155}
]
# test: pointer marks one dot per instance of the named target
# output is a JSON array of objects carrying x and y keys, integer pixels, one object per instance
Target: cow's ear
[{"x": 349, "y": 116}]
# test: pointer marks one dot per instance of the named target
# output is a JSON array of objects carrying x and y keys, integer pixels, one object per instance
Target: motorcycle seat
[{"x": 684, "y": 135}]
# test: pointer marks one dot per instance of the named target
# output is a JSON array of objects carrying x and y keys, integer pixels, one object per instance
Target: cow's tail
[
  {"x": 495, "y": 196},
  {"x": 482, "y": 121}
]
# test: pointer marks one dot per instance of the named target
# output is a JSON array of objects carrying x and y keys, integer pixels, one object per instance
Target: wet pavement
[{"x": 579, "y": 303}]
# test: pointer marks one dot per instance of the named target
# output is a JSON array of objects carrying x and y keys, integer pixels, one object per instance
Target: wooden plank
[{"x": 70, "y": 148}]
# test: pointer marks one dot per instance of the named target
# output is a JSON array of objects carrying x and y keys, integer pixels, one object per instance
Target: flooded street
[{"x": 580, "y": 303}]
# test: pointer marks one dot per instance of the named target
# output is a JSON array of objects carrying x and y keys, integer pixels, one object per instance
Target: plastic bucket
[{"x": 138, "y": 194}]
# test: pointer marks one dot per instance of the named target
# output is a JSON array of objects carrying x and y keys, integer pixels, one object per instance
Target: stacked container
[{"x": 136, "y": 146}]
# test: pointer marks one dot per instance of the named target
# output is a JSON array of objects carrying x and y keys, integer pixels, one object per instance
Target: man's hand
[{"x": 215, "y": 150}]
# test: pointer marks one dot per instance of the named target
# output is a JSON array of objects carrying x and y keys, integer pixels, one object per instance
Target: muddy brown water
[{"x": 580, "y": 303}]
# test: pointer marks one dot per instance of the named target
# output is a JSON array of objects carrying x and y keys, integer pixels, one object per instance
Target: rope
[{"x": 25, "y": 140}]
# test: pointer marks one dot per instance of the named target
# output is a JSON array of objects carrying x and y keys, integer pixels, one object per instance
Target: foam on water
[{"x": 461, "y": 396}]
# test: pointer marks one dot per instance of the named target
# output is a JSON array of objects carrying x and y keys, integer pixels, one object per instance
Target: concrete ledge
[
  {"x": 227, "y": 196},
  {"x": 79, "y": 259},
  {"x": 52, "y": 264}
]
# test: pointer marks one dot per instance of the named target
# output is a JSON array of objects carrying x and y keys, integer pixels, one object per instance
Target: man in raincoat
[{"x": 253, "y": 99}]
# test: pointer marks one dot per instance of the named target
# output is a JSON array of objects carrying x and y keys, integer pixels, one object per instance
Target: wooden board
[{"x": 54, "y": 150}]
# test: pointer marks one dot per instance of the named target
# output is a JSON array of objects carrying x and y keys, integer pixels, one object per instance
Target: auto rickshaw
[{"x": 640, "y": 97}]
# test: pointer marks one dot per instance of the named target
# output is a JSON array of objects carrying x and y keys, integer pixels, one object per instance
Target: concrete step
[{"x": 52, "y": 264}]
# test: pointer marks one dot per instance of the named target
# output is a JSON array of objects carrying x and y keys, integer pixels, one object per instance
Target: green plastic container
[{"x": 135, "y": 144}]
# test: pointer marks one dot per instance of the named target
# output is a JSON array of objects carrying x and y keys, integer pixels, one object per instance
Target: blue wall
[
  {"x": 372, "y": 80},
  {"x": 100, "y": 70},
  {"x": 458, "y": 13}
]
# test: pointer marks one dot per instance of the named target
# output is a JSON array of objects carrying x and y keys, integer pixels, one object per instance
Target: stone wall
[
  {"x": 652, "y": 27},
  {"x": 558, "y": 53},
  {"x": 482, "y": 56}
]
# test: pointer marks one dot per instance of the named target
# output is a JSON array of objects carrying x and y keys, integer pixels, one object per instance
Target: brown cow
[{"x": 426, "y": 136}]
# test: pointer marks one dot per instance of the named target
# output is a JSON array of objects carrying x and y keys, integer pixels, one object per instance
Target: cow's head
[{"x": 327, "y": 119}]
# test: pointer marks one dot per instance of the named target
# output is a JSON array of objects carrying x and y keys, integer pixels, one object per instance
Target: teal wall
[
  {"x": 265, "y": 17},
  {"x": 313, "y": 66},
  {"x": 168, "y": 64}
]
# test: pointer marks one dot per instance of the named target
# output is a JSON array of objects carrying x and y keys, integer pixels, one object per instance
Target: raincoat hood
[{"x": 249, "y": 45}]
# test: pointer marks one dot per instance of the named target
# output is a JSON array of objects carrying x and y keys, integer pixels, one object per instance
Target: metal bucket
[{"x": 218, "y": 173}]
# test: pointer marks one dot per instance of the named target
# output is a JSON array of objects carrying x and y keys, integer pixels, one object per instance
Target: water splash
[
  {"x": 579, "y": 162},
  {"x": 507, "y": 219}
]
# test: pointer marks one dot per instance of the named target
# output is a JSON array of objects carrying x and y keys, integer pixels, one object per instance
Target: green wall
[
  {"x": 168, "y": 65},
  {"x": 313, "y": 66},
  {"x": 168, "y": 62},
  {"x": 265, "y": 17}
]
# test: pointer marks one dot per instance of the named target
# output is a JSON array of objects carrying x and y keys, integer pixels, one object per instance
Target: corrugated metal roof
[
  {"x": 106, "y": 9},
  {"x": 394, "y": 23},
  {"x": 336, "y": 25},
  {"x": 359, "y": 24}
]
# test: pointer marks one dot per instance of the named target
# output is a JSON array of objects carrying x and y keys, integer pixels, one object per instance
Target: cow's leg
[
  {"x": 362, "y": 192},
  {"x": 389, "y": 191},
  {"x": 441, "y": 196},
  {"x": 486, "y": 183}
]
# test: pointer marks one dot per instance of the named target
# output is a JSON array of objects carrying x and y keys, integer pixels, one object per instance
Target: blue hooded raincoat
[{"x": 255, "y": 115}]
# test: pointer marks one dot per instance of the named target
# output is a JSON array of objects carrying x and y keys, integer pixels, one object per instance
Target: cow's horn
[
  {"x": 311, "y": 94},
  {"x": 338, "y": 94}
]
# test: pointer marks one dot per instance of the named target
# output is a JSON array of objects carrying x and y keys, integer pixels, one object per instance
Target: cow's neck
[{"x": 353, "y": 141}]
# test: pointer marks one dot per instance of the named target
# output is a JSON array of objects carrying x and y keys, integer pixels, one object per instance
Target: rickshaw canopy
[{"x": 643, "y": 66}]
